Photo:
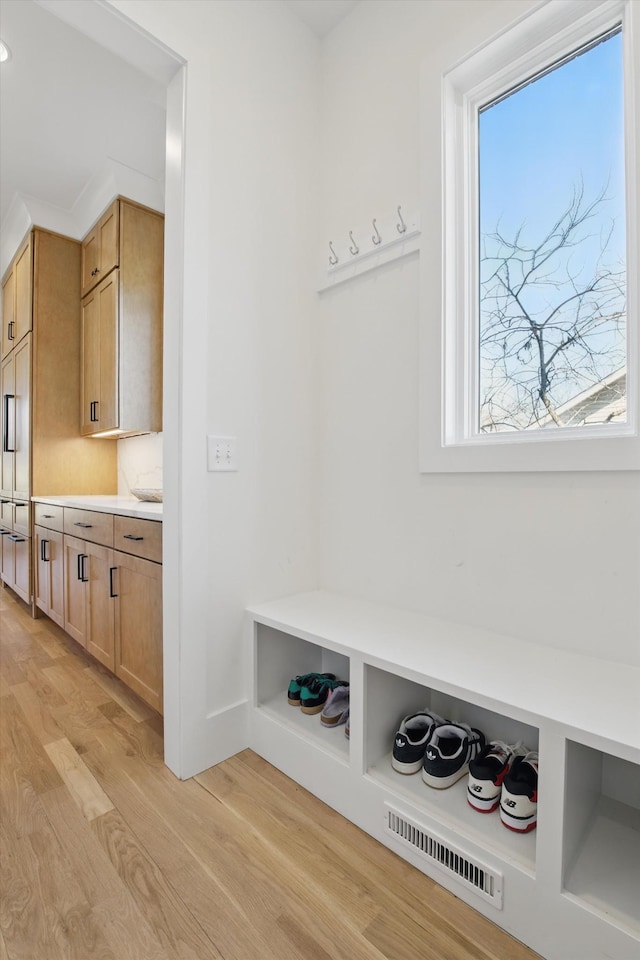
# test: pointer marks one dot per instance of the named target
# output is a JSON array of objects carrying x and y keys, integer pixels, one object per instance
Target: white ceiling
[{"x": 68, "y": 106}]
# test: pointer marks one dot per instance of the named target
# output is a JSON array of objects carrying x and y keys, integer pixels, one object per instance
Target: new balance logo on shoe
[{"x": 509, "y": 803}]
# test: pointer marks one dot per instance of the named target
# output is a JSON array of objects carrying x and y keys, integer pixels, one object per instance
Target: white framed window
[{"x": 535, "y": 363}]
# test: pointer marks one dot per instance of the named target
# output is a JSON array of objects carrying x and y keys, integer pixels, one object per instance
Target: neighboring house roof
[{"x": 604, "y": 402}]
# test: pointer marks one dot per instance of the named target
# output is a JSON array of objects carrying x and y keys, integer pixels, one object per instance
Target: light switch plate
[{"x": 222, "y": 454}]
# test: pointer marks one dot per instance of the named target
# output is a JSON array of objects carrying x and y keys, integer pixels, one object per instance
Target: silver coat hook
[
  {"x": 355, "y": 248},
  {"x": 401, "y": 227},
  {"x": 333, "y": 256},
  {"x": 376, "y": 236}
]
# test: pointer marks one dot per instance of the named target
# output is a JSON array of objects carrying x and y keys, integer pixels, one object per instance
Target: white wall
[
  {"x": 551, "y": 557},
  {"x": 244, "y": 362}
]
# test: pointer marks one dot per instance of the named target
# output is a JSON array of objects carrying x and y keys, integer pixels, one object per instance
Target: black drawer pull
[
  {"x": 20, "y": 504},
  {"x": 48, "y": 516},
  {"x": 16, "y": 539},
  {"x": 85, "y": 526},
  {"x": 111, "y": 572},
  {"x": 81, "y": 570},
  {"x": 43, "y": 551},
  {"x": 130, "y": 536},
  {"x": 5, "y": 533}
]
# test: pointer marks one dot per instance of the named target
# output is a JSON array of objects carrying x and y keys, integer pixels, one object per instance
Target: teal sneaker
[
  {"x": 296, "y": 685},
  {"x": 314, "y": 695}
]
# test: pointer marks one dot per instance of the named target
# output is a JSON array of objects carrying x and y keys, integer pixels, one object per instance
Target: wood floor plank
[
  {"x": 179, "y": 934},
  {"x": 80, "y": 782},
  {"x": 37, "y": 713},
  {"x": 126, "y": 699}
]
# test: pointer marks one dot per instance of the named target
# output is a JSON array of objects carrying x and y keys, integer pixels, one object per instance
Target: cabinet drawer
[
  {"x": 142, "y": 538},
  {"x": 49, "y": 516},
  {"x": 89, "y": 525},
  {"x": 22, "y": 517},
  {"x": 6, "y": 513}
]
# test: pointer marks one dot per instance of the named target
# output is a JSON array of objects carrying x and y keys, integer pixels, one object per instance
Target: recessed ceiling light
[{"x": 5, "y": 53}]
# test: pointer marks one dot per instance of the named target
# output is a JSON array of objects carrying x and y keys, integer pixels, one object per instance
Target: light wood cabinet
[
  {"x": 113, "y": 598},
  {"x": 138, "y": 626},
  {"x": 17, "y": 298},
  {"x": 99, "y": 384},
  {"x": 49, "y": 573},
  {"x": 121, "y": 391},
  {"x": 15, "y": 569},
  {"x": 42, "y": 450},
  {"x": 100, "y": 248}
]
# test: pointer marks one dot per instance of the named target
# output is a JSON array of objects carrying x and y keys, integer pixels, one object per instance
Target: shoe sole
[
  {"x": 333, "y": 721},
  {"x": 483, "y": 805},
  {"x": 441, "y": 783},
  {"x": 312, "y": 710},
  {"x": 406, "y": 768},
  {"x": 519, "y": 824},
  {"x": 293, "y": 703}
]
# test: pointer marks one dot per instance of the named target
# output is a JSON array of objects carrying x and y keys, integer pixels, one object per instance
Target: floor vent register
[{"x": 475, "y": 875}]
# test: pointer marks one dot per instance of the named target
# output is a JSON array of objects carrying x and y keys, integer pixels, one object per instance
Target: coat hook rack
[
  {"x": 401, "y": 227},
  {"x": 333, "y": 256},
  {"x": 354, "y": 248},
  {"x": 376, "y": 238}
]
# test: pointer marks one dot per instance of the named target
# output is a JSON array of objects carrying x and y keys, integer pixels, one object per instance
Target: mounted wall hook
[
  {"x": 333, "y": 256},
  {"x": 355, "y": 248},
  {"x": 401, "y": 227},
  {"x": 376, "y": 236}
]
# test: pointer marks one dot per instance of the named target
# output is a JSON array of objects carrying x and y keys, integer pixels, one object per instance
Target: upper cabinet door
[
  {"x": 16, "y": 299},
  {"x": 22, "y": 455},
  {"x": 8, "y": 311},
  {"x": 24, "y": 286},
  {"x": 100, "y": 248}
]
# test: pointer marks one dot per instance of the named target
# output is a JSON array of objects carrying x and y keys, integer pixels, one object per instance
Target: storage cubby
[
  {"x": 601, "y": 850},
  {"x": 568, "y": 889},
  {"x": 279, "y": 657},
  {"x": 389, "y": 698}
]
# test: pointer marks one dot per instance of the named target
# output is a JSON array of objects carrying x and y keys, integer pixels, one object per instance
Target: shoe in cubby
[
  {"x": 410, "y": 741},
  {"x": 519, "y": 795},
  {"x": 304, "y": 679},
  {"x": 450, "y": 749},
  {"x": 336, "y": 709},
  {"x": 314, "y": 694},
  {"x": 487, "y": 772}
]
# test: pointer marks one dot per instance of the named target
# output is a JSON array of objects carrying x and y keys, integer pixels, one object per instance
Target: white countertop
[{"x": 105, "y": 503}]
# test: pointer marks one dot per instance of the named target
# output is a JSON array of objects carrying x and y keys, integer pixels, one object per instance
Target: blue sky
[{"x": 541, "y": 141}]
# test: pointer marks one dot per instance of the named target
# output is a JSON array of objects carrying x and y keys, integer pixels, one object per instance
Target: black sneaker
[
  {"x": 450, "y": 748},
  {"x": 487, "y": 772},
  {"x": 410, "y": 741},
  {"x": 519, "y": 796}
]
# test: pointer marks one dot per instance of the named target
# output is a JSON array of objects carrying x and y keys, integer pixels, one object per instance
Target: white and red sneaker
[
  {"x": 519, "y": 796},
  {"x": 487, "y": 772}
]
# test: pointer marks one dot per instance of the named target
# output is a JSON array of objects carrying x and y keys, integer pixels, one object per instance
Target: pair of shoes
[
  {"x": 336, "y": 708},
  {"x": 443, "y": 750},
  {"x": 296, "y": 686},
  {"x": 506, "y": 776}
]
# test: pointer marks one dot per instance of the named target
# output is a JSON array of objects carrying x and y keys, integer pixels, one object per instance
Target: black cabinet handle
[
  {"x": 48, "y": 516},
  {"x": 43, "y": 551},
  {"x": 85, "y": 526},
  {"x": 93, "y": 414},
  {"x": 16, "y": 539},
  {"x": 19, "y": 504},
  {"x": 5, "y": 426},
  {"x": 10, "y": 335},
  {"x": 5, "y": 533},
  {"x": 111, "y": 573},
  {"x": 81, "y": 570},
  {"x": 130, "y": 536}
]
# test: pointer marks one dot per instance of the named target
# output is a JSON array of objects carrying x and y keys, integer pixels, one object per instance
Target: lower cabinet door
[
  {"x": 7, "y": 558},
  {"x": 100, "y": 603},
  {"x": 138, "y": 634},
  {"x": 75, "y": 594},
  {"x": 48, "y": 561}
]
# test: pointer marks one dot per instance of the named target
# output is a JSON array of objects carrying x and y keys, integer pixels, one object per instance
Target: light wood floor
[{"x": 107, "y": 856}]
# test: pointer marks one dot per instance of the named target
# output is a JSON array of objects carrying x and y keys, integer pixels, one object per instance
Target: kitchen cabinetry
[
  {"x": 17, "y": 297},
  {"x": 42, "y": 451},
  {"x": 111, "y": 589},
  {"x": 121, "y": 390}
]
